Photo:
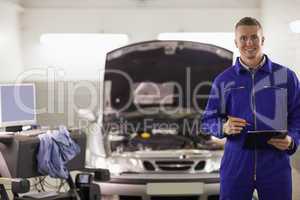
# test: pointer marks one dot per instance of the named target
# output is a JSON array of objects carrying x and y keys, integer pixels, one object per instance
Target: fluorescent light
[
  {"x": 82, "y": 39},
  {"x": 75, "y": 50},
  {"x": 222, "y": 39},
  {"x": 295, "y": 26}
]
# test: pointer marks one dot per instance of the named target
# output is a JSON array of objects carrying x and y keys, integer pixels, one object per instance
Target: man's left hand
[{"x": 282, "y": 144}]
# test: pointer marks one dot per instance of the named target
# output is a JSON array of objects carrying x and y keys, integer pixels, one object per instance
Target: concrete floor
[
  {"x": 296, "y": 175},
  {"x": 296, "y": 182}
]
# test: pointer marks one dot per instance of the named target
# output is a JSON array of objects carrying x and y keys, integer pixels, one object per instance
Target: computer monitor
[{"x": 17, "y": 105}]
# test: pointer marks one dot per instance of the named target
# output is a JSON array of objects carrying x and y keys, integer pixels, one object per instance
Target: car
[{"x": 148, "y": 131}]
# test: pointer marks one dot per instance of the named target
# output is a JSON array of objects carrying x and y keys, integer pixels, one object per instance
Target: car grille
[
  {"x": 176, "y": 165},
  {"x": 173, "y": 165}
]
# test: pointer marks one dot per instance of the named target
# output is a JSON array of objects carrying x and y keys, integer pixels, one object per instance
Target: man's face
[{"x": 249, "y": 40}]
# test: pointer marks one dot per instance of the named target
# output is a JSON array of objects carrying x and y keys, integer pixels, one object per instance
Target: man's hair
[{"x": 248, "y": 21}]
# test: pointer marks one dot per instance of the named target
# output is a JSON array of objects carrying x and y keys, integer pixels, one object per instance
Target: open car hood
[
  {"x": 189, "y": 66},
  {"x": 142, "y": 77}
]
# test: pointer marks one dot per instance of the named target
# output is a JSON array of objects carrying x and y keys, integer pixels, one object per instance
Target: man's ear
[
  {"x": 262, "y": 40},
  {"x": 235, "y": 43}
]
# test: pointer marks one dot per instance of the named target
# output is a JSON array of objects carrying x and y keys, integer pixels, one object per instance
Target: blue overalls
[{"x": 268, "y": 99}]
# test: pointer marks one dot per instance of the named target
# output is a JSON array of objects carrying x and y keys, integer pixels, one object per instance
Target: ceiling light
[
  {"x": 295, "y": 26},
  {"x": 81, "y": 39}
]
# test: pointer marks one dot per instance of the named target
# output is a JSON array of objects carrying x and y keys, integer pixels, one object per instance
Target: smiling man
[
  {"x": 250, "y": 102},
  {"x": 249, "y": 40}
]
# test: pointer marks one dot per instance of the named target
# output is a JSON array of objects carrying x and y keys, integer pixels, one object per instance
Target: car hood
[{"x": 190, "y": 66}]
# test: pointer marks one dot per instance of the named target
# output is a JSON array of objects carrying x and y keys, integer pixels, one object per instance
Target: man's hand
[
  {"x": 282, "y": 144},
  {"x": 234, "y": 125}
]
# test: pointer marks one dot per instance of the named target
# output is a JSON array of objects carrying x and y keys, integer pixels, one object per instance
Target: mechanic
[{"x": 254, "y": 94}]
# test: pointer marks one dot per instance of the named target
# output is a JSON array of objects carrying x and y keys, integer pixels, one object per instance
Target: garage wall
[
  {"x": 283, "y": 46},
  {"x": 139, "y": 23},
  {"x": 10, "y": 52}
]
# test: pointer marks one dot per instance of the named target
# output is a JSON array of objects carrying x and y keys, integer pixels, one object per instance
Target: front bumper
[{"x": 148, "y": 184}]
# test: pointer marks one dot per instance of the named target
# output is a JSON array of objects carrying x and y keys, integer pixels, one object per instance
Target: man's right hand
[{"x": 234, "y": 125}]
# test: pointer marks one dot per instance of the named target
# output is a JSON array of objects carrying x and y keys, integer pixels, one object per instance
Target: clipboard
[{"x": 259, "y": 138}]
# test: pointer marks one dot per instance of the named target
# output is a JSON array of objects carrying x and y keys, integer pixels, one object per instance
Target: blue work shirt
[
  {"x": 268, "y": 99},
  {"x": 56, "y": 149}
]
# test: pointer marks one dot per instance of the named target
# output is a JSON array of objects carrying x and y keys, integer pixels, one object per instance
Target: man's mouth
[{"x": 250, "y": 51}]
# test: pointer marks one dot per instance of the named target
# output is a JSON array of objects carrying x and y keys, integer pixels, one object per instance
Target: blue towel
[{"x": 55, "y": 150}]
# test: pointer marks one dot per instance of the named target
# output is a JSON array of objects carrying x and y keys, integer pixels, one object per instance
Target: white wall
[
  {"x": 139, "y": 23},
  {"x": 281, "y": 44},
  {"x": 10, "y": 52}
]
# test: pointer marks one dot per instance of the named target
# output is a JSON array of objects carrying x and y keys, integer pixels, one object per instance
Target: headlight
[
  {"x": 120, "y": 165},
  {"x": 212, "y": 165}
]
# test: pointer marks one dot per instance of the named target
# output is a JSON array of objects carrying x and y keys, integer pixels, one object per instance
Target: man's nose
[{"x": 249, "y": 41}]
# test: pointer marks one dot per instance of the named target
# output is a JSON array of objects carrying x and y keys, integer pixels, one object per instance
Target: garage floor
[{"x": 296, "y": 182}]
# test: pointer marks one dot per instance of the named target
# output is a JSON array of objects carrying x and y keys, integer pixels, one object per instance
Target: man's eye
[
  {"x": 254, "y": 37},
  {"x": 243, "y": 38}
]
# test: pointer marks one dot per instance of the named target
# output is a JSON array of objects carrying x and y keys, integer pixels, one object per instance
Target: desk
[{"x": 19, "y": 154}]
